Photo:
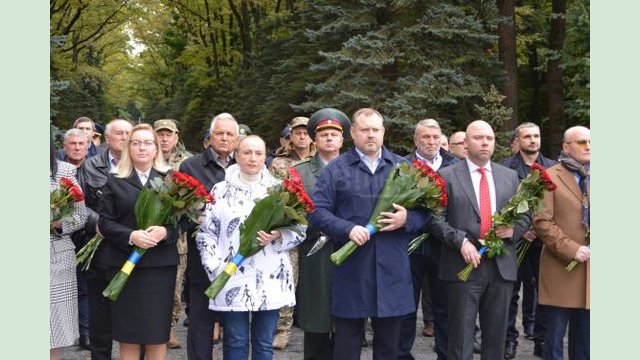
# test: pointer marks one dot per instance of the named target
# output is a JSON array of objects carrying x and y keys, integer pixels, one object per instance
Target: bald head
[
  {"x": 577, "y": 144},
  {"x": 480, "y": 141},
  {"x": 457, "y": 145}
]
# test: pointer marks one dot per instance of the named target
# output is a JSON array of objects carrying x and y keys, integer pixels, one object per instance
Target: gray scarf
[{"x": 583, "y": 172}]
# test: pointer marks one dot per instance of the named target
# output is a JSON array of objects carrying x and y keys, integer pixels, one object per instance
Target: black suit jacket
[
  {"x": 203, "y": 167},
  {"x": 462, "y": 219},
  {"x": 117, "y": 222}
]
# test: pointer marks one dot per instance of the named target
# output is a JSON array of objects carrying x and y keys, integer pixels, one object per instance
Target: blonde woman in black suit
[{"x": 141, "y": 316}]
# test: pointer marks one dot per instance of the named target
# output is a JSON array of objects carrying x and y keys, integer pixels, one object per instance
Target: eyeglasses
[
  {"x": 580, "y": 142},
  {"x": 146, "y": 143},
  {"x": 457, "y": 143}
]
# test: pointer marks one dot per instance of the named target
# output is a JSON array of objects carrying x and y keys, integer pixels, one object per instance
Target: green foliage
[
  {"x": 575, "y": 63},
  {"x": 268, "y": 61},
  {"x": 493, "y": 112}
]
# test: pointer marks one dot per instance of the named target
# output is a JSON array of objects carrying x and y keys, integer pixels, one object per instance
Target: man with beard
[{"x": 527, "y": 138}]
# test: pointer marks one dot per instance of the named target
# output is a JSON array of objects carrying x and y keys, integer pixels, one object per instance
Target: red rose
[
  {"x": 76, "y": 194},
  {"x": 294, "y": 175},
  {"x": 66, "y": 183},
  {"x": 444, "y": 200}
]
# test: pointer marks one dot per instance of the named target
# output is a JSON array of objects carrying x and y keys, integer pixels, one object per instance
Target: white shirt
[
  {"x": 112, "y": 163},
  {"x": 143, "y": 176},
  {"x": 365, "y": 159},
  {"x": 434, "y": 164},
  {"x": 475, "y": 179}
]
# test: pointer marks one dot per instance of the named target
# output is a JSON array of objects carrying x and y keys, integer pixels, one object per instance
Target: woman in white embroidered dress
[{"x": 263, "y": 283}]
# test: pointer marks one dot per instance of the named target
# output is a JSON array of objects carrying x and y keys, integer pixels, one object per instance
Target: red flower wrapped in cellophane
[
  {"x": 62, "y": 201},
  {"x": 415, "y": 186},
  {"x": 185, "y": 194},
  {"x": 167, "y": 201},
  {"x": 528, "y": 197}
]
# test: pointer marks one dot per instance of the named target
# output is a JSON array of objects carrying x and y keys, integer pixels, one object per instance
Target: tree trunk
[
  {"x": 536, "y": 83},
  {"x": 507, "y": 51},
  {"x": 555, "y": 100},
  {"x": 213, "y": 41}
]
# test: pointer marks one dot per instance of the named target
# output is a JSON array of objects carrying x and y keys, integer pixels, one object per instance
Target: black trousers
[
  {"x": 99, "y": 315},
  {"x": 349, "y": 334},
  {"x": 528, "y": 277},
  {"x": 318, "y": 346},
  {"x": 201, "y": 323},
  {"x": 426, "y": 265}
]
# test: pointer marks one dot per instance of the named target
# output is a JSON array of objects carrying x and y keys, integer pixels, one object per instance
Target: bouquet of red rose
[
  {"x": 286, "y": 204},
  {"x": 165, "y": 202},
  {"x": 62, "y": 201},
  {"x": 415, "y": 186},
  {"x": 528, "y": 196}
]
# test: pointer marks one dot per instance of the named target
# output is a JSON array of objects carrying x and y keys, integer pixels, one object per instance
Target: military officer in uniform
[{"x": 326, "y": 127}]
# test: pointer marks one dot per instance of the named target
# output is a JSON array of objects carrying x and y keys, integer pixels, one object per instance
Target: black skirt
[{"x": 142, "y": 312}]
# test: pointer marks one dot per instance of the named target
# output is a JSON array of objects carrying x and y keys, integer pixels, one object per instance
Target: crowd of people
[{"x": 381, "y": 283}]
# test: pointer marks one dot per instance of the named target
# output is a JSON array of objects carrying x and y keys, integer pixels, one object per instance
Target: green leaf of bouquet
[
  {"x": 523, "y": 207},
  {"x": 284, "y": 197}
]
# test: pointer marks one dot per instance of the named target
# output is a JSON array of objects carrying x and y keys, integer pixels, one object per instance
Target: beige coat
[{"x": 559, "y": 226}]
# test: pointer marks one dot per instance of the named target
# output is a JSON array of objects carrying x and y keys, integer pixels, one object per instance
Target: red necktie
[{"x": 485, "y": 204}]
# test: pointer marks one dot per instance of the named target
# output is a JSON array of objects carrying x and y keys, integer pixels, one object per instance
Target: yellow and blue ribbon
[
  {"x": 233, "y": 265},
  {"x": 131, "y": 262}
]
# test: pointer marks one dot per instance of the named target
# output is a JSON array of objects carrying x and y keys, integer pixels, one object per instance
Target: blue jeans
[
  {"x": 236, "y": 334},
  {"x": 579, "y": 328}
]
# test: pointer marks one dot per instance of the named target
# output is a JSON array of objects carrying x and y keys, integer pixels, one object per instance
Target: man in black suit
[
  {"x": 527, "y": 137},
  {"x": 209, "y": 168},
  {"x": 92, "y": 177},
  {"x": 477, "y": 188},
  {"x": 425, "y": 259}
]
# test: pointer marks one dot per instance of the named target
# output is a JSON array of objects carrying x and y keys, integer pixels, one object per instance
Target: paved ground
[{"x": 422, "y": 349}]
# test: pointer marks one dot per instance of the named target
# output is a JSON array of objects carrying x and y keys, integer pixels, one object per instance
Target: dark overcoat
[{"x": 375, "y": 281}]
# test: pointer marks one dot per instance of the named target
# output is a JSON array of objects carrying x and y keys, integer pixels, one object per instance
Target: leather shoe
[
  {"x": 537, "y": 348},
  {"x": 510, "y": 350},
  {"x": 428, "y": 330},
  {"x": 84, "y": 342},
  {"x": 477, "y": 347}
]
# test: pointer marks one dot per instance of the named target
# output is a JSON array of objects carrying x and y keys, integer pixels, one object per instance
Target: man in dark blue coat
[
  {"x": 527, "y": 136},
  {"x": 375, "y": 281},
  {"x": 425, "y": 260}
]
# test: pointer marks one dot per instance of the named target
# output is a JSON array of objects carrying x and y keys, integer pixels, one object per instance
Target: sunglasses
[{"x": 580, "y": 142}]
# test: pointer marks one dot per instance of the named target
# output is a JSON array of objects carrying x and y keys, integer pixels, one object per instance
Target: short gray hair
[
  {"x": 107, "y": 128},
  {"x": 224, "y": 116},
  {"x": 75, "y": 132},
  {"x": 430, "y": 123}
]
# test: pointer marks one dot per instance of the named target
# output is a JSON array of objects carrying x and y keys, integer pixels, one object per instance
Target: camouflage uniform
[{"x": 176, "y": 158}]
